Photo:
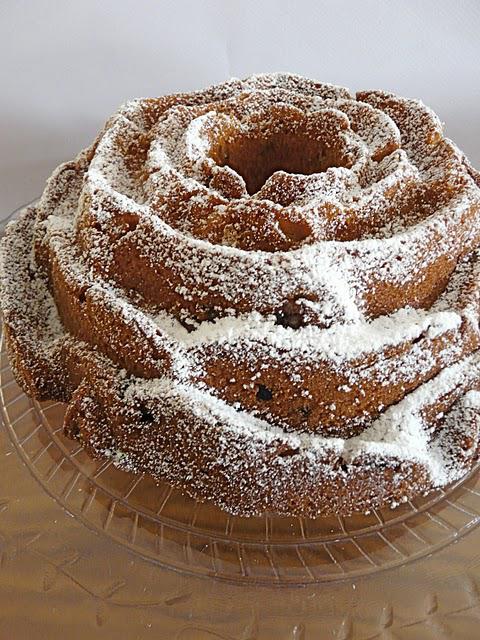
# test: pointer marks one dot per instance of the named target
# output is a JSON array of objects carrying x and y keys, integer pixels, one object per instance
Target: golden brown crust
[{"x": 304, "y": 343}]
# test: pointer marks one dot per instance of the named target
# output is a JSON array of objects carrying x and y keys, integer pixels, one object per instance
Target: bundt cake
[{"x": 265, "y": 293}]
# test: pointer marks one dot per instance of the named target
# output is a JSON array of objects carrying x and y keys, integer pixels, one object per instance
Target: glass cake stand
[{"x": 88, "y": 549}]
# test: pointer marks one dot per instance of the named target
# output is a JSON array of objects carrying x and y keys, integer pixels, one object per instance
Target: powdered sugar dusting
[{"x": 330, "y": 312}]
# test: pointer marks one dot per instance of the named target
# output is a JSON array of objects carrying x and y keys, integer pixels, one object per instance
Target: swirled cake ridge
[{"x": 265, "y": 293}]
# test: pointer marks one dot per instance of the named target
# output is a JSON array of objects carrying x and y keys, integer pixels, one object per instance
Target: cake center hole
[{"x": 256, "y": 159}]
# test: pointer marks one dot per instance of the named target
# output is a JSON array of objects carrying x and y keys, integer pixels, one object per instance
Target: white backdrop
[{"x": 66, "y": 65}]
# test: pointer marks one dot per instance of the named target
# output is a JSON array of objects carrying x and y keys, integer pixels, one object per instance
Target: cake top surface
[{"x": 271, "y": 211}]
